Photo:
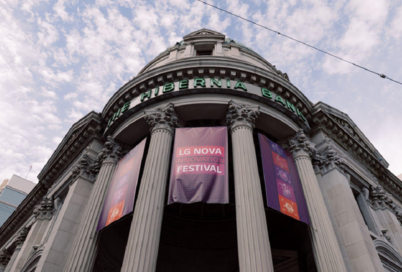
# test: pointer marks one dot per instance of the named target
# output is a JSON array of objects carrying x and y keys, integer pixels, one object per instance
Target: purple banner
[
  {"x": 199, "y": 166},
  {"x": 119, "y": 200},
  {"x": 282, "y": 183}
]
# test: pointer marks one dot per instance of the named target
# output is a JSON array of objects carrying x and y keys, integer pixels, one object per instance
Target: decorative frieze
[{"x": 241, "y": 116}]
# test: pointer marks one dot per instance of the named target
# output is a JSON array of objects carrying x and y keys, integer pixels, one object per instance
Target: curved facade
[{"x": 208, "y": 80}]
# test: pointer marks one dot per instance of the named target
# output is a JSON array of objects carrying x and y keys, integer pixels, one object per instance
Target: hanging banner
[
  {"x": 282, "y": 184},
  {"x": 199, "y": 166},
  {"x": 121, "y": 193}
]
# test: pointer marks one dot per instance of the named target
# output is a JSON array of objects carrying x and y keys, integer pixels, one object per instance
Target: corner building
[{"x": 353, "y": 200}]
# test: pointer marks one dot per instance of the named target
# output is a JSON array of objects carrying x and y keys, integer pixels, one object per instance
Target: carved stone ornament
[
  {"x": 22, "y": 235},
  {"x": 84, "y": 168},
  {"x": 45, "y": 209},
  {"x": 5, "y": 256},
  {"x": 328, "y": 156},
  {"x": 112, "y": 152},
  {"x": 300, "y": 142},
  {"x": 389, "y": 202},
  {"x": 241, "y": 115},
  {"x": 398, "y": 214},
  {"x": 162, "y": 119},
  {"x": 382, "y": 200},
  {"x": 378, "y": 196}
]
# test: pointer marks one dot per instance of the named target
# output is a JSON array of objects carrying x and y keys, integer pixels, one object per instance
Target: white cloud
[
  {"x": 83, "y": 53},
  {"x": 59, "y": 8}
]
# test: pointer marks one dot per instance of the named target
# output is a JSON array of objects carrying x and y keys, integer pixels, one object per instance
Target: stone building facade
[{"x": 354, "y": 201}]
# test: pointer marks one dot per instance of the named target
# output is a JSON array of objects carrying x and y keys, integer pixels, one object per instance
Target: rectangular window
[{"x": 204, "y": 53}]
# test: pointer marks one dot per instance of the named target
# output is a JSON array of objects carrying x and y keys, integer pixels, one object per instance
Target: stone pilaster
[
  {"x": 352, "y": 233},
  {"x": 84, "y": 249},
  {"x": 19, "y": 242},
  {"x": 252, "y": 232},
  {"x": 389, "y": 216},
  {"x": 58, "y": 241},
  {"x": 143, "y": 241},
  {"x": 328, "y": 256}
]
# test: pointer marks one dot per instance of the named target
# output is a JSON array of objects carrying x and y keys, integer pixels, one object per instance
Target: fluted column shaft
[
  {"x": 83, "y": 252},
  {"x": 252, "y": 232},
  {"x": 328, "y": 256},
  {"x": 143, "y": 241}
]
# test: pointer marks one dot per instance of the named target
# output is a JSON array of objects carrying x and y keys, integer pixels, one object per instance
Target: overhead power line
[{"x": 296, "y": 40}]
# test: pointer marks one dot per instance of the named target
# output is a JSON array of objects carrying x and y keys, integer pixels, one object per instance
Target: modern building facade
[
  {"x": 12, "y": 193},
  {"x": 207, "y": 80}
]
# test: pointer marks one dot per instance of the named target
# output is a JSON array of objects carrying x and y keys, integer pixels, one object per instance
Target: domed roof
[{"x": 204, "y": 40}]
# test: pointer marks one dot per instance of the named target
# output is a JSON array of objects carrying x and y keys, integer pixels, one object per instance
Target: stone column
[
  {"x": 19, "y": 242},
  {"x": 328, "y": 256},
  {"x": 252, "y": 232},
  {"x": 143, "y": 241},
  {"x": 84, "y": 249}
]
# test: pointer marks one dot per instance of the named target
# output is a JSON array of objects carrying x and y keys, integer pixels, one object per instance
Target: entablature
[{"x": 208, "y": 68}]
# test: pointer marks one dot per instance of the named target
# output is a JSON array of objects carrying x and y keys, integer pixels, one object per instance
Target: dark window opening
[{"x": 204, "y": 53}]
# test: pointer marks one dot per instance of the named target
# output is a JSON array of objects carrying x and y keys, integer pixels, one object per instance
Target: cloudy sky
[{"x": 61, "y": 59}]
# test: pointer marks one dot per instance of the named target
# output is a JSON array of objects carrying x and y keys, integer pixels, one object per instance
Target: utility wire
[{"x": 296, "y": 40}]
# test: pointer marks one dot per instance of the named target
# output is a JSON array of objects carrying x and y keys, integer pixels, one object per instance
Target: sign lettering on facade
[{"x": 198, "y": 83}]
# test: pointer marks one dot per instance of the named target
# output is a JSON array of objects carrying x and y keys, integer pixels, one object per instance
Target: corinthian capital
[
  {"x": 22, "y": 235},
  {"x": 84, "y": 168},
  {"x": 299, "y": 143},
  {"x": 163, "y": 119},
  {"x": 241, "y": 115},
  {"x": 45, "y": 209},
  {"x": 5, "y": 256},
  {"x": 329, "y": 156},
  {"x": 111, "y": 152},
  {"x": 378, "y": 196}
]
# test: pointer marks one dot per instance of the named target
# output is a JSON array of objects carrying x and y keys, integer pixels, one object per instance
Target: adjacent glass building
[{"x": 208, "y": 80}]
